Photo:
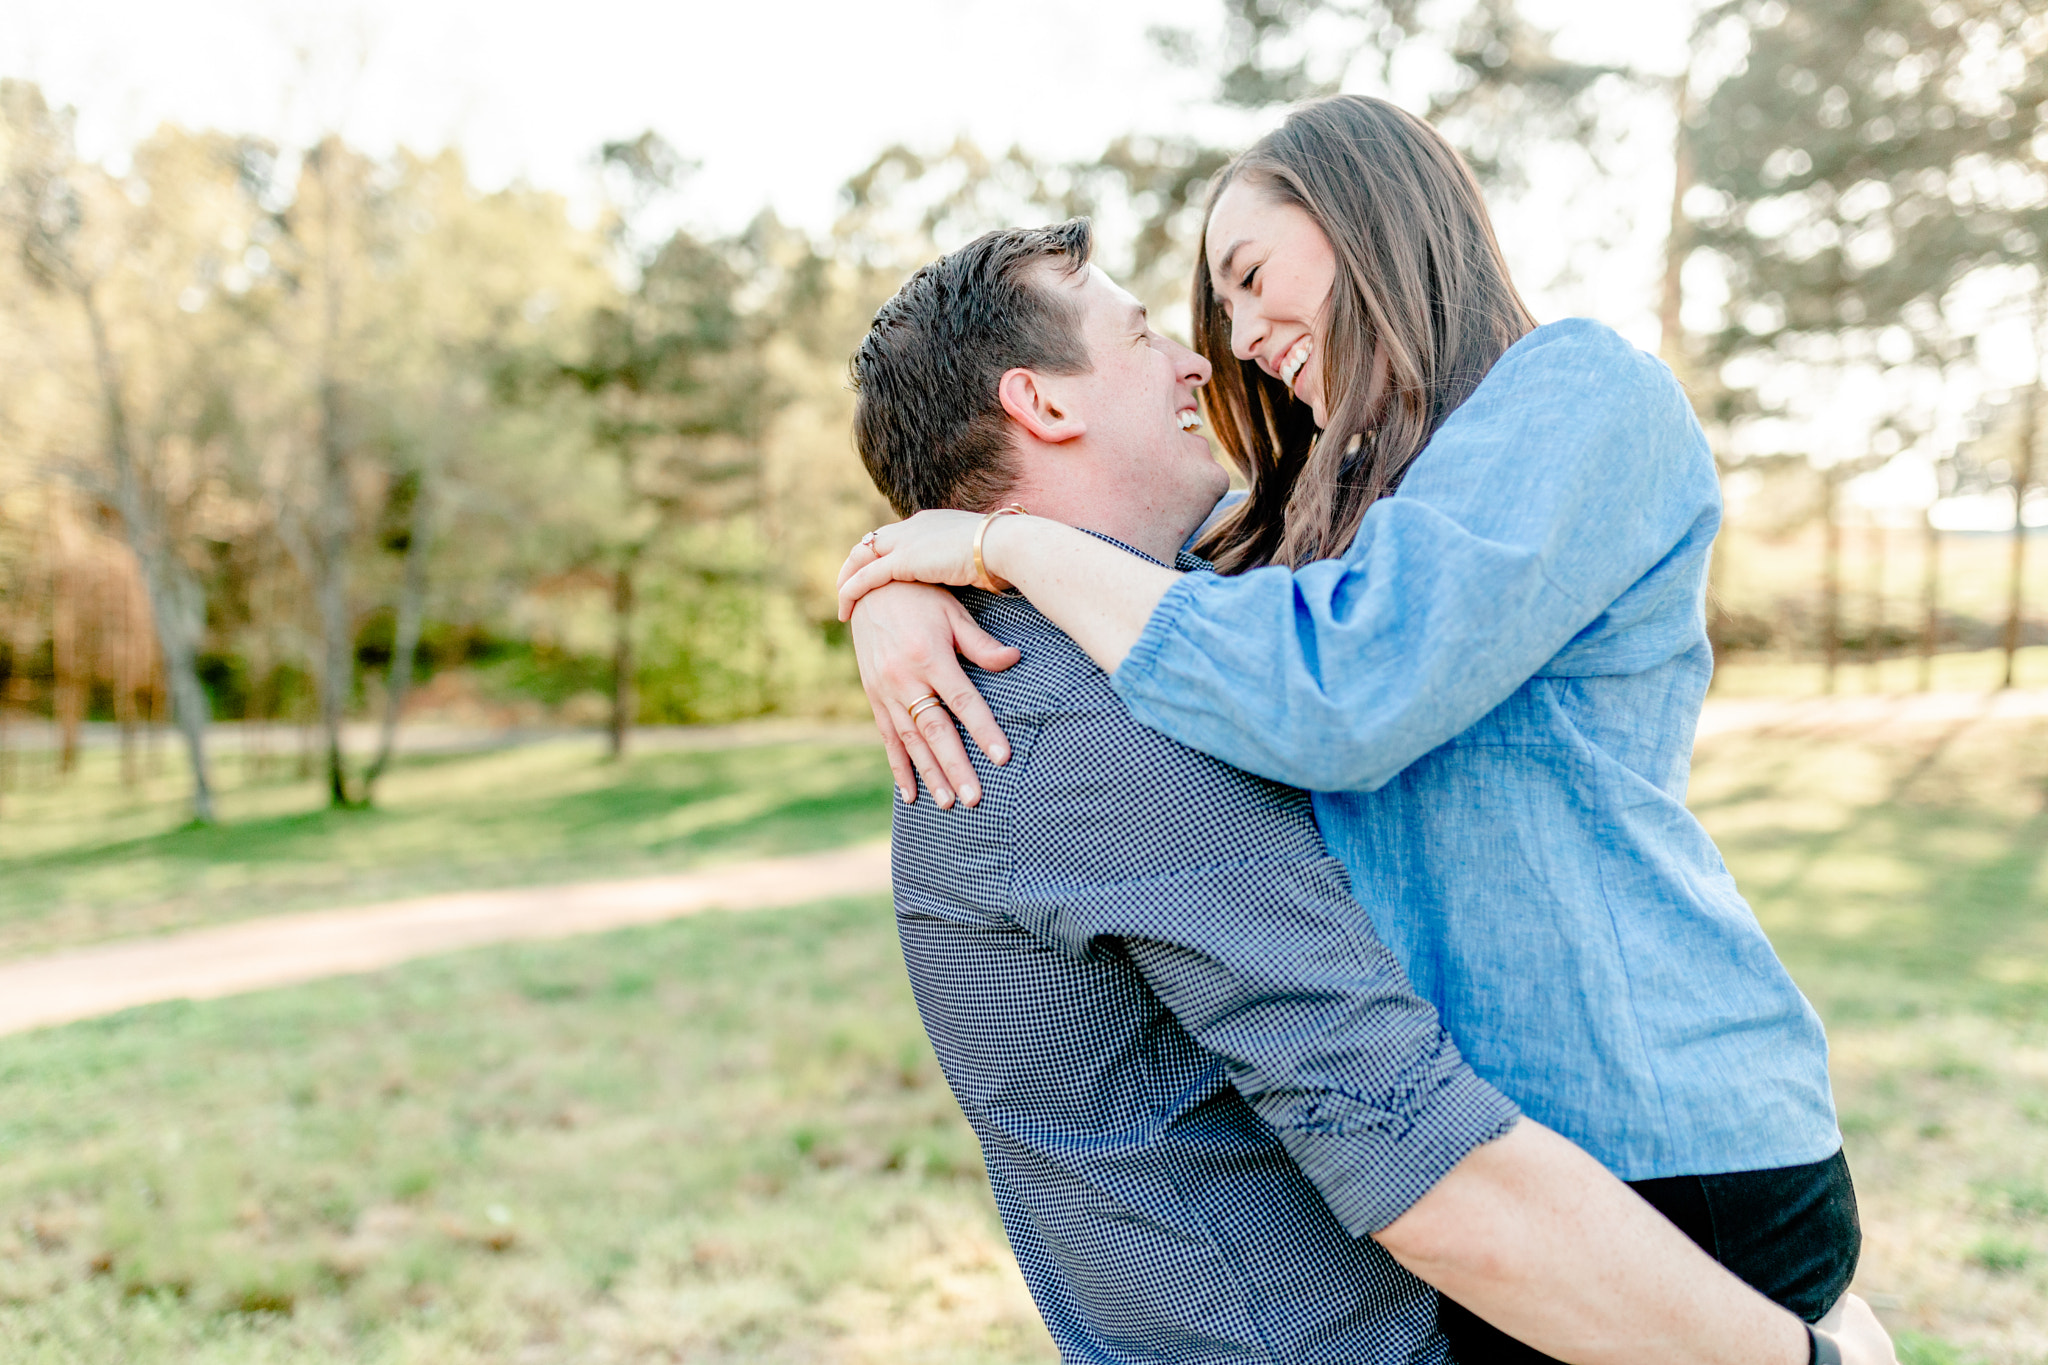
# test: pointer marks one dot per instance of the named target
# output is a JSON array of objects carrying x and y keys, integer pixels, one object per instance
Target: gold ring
[
  {"x": 869, "y": 539},
  {"x": 923, "y": 704}
]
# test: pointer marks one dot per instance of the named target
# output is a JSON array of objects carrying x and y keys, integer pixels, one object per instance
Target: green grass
[
  {"x": 85, "y": 858},
  {"x": 716, "y": 1140},
  {"x": 1903, "y": 877},
  {"x": 725, "y": 1139}
]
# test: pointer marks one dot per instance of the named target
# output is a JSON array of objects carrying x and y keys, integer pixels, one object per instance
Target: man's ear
[{"x": 1034, "y": 407}]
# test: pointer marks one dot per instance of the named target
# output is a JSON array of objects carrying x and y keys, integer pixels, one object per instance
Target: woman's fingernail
[
  {"x": 902, "y": 795},
  {"x": 944, "y": 798},
  {"x": 972, "y": 796}
]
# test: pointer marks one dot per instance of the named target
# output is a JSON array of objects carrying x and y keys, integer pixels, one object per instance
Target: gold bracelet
[{"x": 981, "y": 576}]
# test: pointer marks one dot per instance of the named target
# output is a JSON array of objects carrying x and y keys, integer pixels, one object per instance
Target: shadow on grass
[
  {"x": 496, "y": 819},
  {"x": 1914, "y": 901}
]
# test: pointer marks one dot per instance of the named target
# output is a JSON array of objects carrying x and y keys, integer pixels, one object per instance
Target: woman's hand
[
  {"x": 931, "y": 547},
  {"x": 907, "y": 638}
]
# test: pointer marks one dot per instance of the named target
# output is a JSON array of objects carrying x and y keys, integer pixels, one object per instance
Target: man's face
[{"x": 1139, "y": 404}]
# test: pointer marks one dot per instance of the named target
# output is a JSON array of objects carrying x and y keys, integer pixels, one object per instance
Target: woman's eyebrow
[{"x": 1223, "y": 266}]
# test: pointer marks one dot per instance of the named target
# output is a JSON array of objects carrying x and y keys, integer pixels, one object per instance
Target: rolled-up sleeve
[
  {"x": 1217, "y": 886},
  {"x": 1567, "y": 476}
]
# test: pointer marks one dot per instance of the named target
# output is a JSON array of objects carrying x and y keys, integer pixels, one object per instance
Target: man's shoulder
[{"x": 1054, "y": 676}]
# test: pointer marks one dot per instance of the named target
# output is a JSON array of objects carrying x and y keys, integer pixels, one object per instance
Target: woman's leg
[{"x": 1792, "y": 1234}]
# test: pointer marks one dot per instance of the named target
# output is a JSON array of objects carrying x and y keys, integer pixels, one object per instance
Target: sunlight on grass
[
  {"x": 87, "y": 860},
  {"x": 720, "y": 1140},
  {"x": 1900, "y": 876},
  {"x": 1971, "y": 671}
]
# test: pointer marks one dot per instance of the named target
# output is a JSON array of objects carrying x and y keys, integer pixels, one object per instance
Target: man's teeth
[
  {"x": 1190, "y": 419},
  {"x": 1296, "y": 358}
]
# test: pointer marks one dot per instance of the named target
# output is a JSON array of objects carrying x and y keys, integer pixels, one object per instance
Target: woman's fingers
[
  {"x": 900, "y": 770},
  {"x": 942, "y": 740},
  {"x": 981, "y": 648},
  {"x": 962, "y": 698},
  {"x": 911, "y": 734},
  {"x": 859, "y": 557},
  {"x": 879, "y": 573}
]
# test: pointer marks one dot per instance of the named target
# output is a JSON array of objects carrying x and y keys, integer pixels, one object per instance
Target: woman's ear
[{"x": 1031, "y": 405}]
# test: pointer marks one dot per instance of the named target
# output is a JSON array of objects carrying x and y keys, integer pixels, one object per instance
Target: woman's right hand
[{"x": 908, "y": 638}]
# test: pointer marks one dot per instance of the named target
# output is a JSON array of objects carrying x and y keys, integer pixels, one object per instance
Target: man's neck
[{"x": 1145, "y": 529}]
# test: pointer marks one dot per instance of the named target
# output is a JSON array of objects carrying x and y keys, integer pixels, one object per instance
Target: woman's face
[{"x": 1273, "y": 269}]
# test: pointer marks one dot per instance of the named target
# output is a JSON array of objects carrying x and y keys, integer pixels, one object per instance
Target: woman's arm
[
  {"x": 1099, "y": 594},
  {"x": 1569, "y": 475},
  {"x": 906, "y": 637},
  {"x": 1541, "y": 506}
]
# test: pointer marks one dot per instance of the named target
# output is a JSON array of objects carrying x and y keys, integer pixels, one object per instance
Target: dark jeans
[{"x": 1791, "y": 1234}]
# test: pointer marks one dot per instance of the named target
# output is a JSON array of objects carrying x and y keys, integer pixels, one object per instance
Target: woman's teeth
[
  {"x": 1190, "y": 419},
  {"x": 1297, "y": 356}
]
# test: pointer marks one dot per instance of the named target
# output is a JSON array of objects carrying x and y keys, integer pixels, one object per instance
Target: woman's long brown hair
[{"x": 1421, "y": 308}]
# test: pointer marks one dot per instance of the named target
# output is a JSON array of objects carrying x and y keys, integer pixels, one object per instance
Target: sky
[{"x": 779, "y": 101}]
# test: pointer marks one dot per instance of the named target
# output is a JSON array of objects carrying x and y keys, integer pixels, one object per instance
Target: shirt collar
[{"x": 1186, "y": 561}]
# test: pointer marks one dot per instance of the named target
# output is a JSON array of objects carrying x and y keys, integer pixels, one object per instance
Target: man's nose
[{"x": 1194, "y": 366}]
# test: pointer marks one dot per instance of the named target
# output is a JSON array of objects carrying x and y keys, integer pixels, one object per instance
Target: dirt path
[
  {"x": 1875, "y": 711},
  {"x": 201, "y": 964}
]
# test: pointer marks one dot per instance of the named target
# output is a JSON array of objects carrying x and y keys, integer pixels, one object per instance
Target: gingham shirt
[{"x": 1197, "y": 1075}]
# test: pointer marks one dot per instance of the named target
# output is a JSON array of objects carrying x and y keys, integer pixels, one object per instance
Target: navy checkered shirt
[{"x": 1198, "y": 1076}]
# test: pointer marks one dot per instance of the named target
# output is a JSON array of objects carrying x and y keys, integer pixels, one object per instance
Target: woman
[{"x": 1462, "y": 603}]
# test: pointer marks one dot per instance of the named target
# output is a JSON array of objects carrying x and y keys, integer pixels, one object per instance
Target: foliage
[{"x": 1860, "y": 164}]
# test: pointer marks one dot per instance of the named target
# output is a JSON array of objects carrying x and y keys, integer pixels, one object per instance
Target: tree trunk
[
  {"x": 333, "y": 519},
  {"x": 128, "y": 680},
  {"x": 1831, "y": 577},
  {"x": 1678, "y": 235},
  {"x": 177, "y": 605},
  {"x": 1878, "y": 541},
  {"x": 67, "y": 686},
  {"x": 1930, "y": 595},
  {"x": 623, "y": 698},
  {"x": 2022, "y": 480},
  {"x": 337, "y": 653},
  {"x": 412, "y": 599}
]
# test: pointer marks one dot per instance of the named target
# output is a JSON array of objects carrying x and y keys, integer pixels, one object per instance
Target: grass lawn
[
  {"x": 718, "y": 1140},
  {"x": 1904, "y": 879},
  {"x": 725, "y": 1139},
  {"x": 86, "y": 859}
]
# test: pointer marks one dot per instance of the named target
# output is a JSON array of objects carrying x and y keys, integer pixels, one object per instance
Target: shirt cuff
[
  {"x": 1370, "y": 1176},
  {"x": 1161, "y": 628}
]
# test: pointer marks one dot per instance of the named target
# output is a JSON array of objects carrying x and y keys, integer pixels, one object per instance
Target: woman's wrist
[{"x": 1009, "y": 546}]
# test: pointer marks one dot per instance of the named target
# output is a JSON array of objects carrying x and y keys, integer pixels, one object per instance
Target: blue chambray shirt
[
  {"x": 1197, "y": 1076},
  {"x": 1493, "y": 695}
]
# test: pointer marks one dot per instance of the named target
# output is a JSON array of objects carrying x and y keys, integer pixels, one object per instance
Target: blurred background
[{"x": 424, "y": 461}]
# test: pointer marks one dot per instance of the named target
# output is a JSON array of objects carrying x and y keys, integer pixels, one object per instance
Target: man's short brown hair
[{"x": 928, "y": 423}]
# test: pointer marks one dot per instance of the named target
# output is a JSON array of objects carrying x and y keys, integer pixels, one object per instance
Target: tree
[
  {"x": 1858, "y": 181},
  {"x": 101, "y": 247},
  {"x": 678, "y": 400}
]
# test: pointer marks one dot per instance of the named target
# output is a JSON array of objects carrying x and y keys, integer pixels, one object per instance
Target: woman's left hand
[{"x": 932, "y": 547}]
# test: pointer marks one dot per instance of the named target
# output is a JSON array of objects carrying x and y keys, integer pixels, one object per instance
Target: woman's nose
[{"x": 1247, "y": 330}]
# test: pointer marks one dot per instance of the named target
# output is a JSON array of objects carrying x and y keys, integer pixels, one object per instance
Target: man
[{"x": 1217, "y": 1119}]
